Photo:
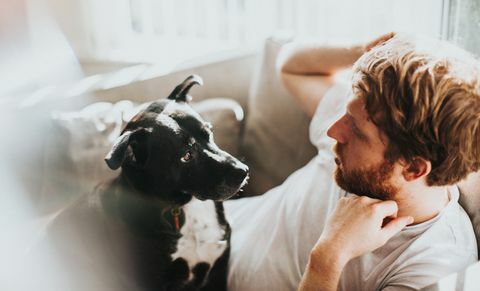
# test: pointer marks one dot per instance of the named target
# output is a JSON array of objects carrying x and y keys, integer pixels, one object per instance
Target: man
[{"x": 409, "y": 131}]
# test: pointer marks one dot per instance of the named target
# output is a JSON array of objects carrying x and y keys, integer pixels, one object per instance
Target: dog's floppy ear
[
  {"x": 118, "y": 153},
  {"x": 180, "y": 93}
]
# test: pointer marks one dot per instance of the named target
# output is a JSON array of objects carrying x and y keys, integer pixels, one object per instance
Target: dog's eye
[{"x": 186, "y": 157}]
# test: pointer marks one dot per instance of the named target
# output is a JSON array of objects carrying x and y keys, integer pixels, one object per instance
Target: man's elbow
[{"x": 284, "y": 59}]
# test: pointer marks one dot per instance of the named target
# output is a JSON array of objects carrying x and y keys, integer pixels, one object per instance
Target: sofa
[{"x": 253, "y": 118}]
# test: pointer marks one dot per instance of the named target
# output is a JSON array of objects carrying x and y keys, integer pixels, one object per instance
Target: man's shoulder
[
  {"x": 419, "y": 255},
  {"x": 453, "y": 227},
  {"x": 435, "y": 254},
  {"x": 445, "y": 246}
]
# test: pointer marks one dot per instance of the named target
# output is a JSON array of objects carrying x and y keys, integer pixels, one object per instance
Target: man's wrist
[
  {"x": 326, "y": 256},
  {"x": 358, "y": 51},
  {"x": 323, "y": 269}
]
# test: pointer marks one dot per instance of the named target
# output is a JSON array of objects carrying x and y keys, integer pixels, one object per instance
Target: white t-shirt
[{"x": 272, "y": 234}]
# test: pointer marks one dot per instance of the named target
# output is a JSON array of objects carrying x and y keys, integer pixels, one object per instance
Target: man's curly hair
[{"x": 425, "y": 96}]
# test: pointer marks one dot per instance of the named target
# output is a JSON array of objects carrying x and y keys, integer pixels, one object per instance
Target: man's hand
[
  {"x": 358, "y": 225},
  {"x": 379, "y": 40}
]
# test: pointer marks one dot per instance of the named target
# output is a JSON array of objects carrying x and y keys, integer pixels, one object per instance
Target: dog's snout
[{"x": 240, "y": 173}]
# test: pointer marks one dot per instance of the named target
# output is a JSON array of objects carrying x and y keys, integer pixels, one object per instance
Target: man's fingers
[
  {"x": 381, "y": 39},
  {"x": 396, "y": 225},
  {"x": 387, "y": 36},
  {"x": 387, "y": 208}
]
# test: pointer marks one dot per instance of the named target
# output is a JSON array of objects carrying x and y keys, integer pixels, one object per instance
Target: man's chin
[{"x": 364, "y": 183}]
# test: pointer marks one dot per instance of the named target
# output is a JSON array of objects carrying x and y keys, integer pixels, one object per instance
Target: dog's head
[{"x": 168, "y": 150}]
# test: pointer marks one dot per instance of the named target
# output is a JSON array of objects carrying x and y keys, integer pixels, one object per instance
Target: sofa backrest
[
  {"x": 470, "y": 200},
  {"x": 275, "y": 141}
]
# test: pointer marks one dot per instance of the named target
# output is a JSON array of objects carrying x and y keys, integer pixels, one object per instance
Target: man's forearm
[
  {"x": 310, "y": 59},
  {"x": 323, "y": 270}
]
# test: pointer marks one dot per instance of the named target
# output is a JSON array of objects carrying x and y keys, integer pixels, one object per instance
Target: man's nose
[{"x": 337, "y": 130}]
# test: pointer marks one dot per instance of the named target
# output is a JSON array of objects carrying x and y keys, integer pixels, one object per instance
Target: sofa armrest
[
  {"x": 276, "y": 140},
  {"x": 143, "y": 83}
]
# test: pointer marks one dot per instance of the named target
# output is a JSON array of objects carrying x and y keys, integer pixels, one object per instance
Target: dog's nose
[{"x": 240, "y": 173}]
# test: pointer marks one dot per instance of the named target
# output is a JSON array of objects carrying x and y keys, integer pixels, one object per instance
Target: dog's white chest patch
[{"x": 202, "y": 235}]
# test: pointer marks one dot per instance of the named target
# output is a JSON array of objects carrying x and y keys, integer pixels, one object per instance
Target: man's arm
[
  {"x": 355, "y": 227},
  {"x": 323, "y": 269},
  {"x": 307, "y": 70}
]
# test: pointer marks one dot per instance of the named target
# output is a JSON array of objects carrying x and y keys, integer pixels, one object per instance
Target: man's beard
[{"x": 373, "y": 181}]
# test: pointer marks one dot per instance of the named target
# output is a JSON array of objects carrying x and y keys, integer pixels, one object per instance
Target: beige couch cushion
[
  {"x": 275, "y": 141},
  {"x": 470, "y": 200}
]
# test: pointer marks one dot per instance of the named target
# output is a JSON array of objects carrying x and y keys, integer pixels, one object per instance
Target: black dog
[{"x": 155, "y": 226}]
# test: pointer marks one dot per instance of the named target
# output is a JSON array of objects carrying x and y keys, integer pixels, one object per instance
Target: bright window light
[{"x": 172, "y": 30}]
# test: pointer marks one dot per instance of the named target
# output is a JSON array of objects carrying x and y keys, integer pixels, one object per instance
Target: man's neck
[{"x": 422, "y": 203}]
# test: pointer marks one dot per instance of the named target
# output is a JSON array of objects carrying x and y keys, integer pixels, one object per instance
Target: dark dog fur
[{"x": 135, "y": 231}]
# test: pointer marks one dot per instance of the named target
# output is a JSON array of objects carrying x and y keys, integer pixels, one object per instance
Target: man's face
[{"x": 360, "y": 148}]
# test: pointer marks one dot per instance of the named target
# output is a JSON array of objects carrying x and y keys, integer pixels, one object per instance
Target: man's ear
[{"x": 416, "y": 168}]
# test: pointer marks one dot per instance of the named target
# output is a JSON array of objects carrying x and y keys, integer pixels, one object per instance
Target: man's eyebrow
[
  {"x": 355, "y": 123},
  {"x": 350, "y": 115}
]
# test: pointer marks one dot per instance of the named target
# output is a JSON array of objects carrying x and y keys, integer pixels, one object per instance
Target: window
[
  {"x": 172, "y": 30},
  {"x": 463, "y": 24}
]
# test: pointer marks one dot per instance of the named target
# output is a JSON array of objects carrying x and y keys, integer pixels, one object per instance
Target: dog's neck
[
  {"x": 149, "y": 187},
  {"x": 145, "y": 214}
]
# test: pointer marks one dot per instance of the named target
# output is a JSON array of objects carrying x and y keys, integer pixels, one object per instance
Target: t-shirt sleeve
[
  {"x": 330, "y": 108},
  {"x": 430, "y": 270}
]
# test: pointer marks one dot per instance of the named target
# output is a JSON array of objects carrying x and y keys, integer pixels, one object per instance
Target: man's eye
[
  {"x": 359, "y": 134},
  {"x": 355, "y": 130},
  {"x": 186, "y": 157}
]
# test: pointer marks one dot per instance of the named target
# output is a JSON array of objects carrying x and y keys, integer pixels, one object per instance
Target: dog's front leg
[{"x": 217, "y": 278}]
